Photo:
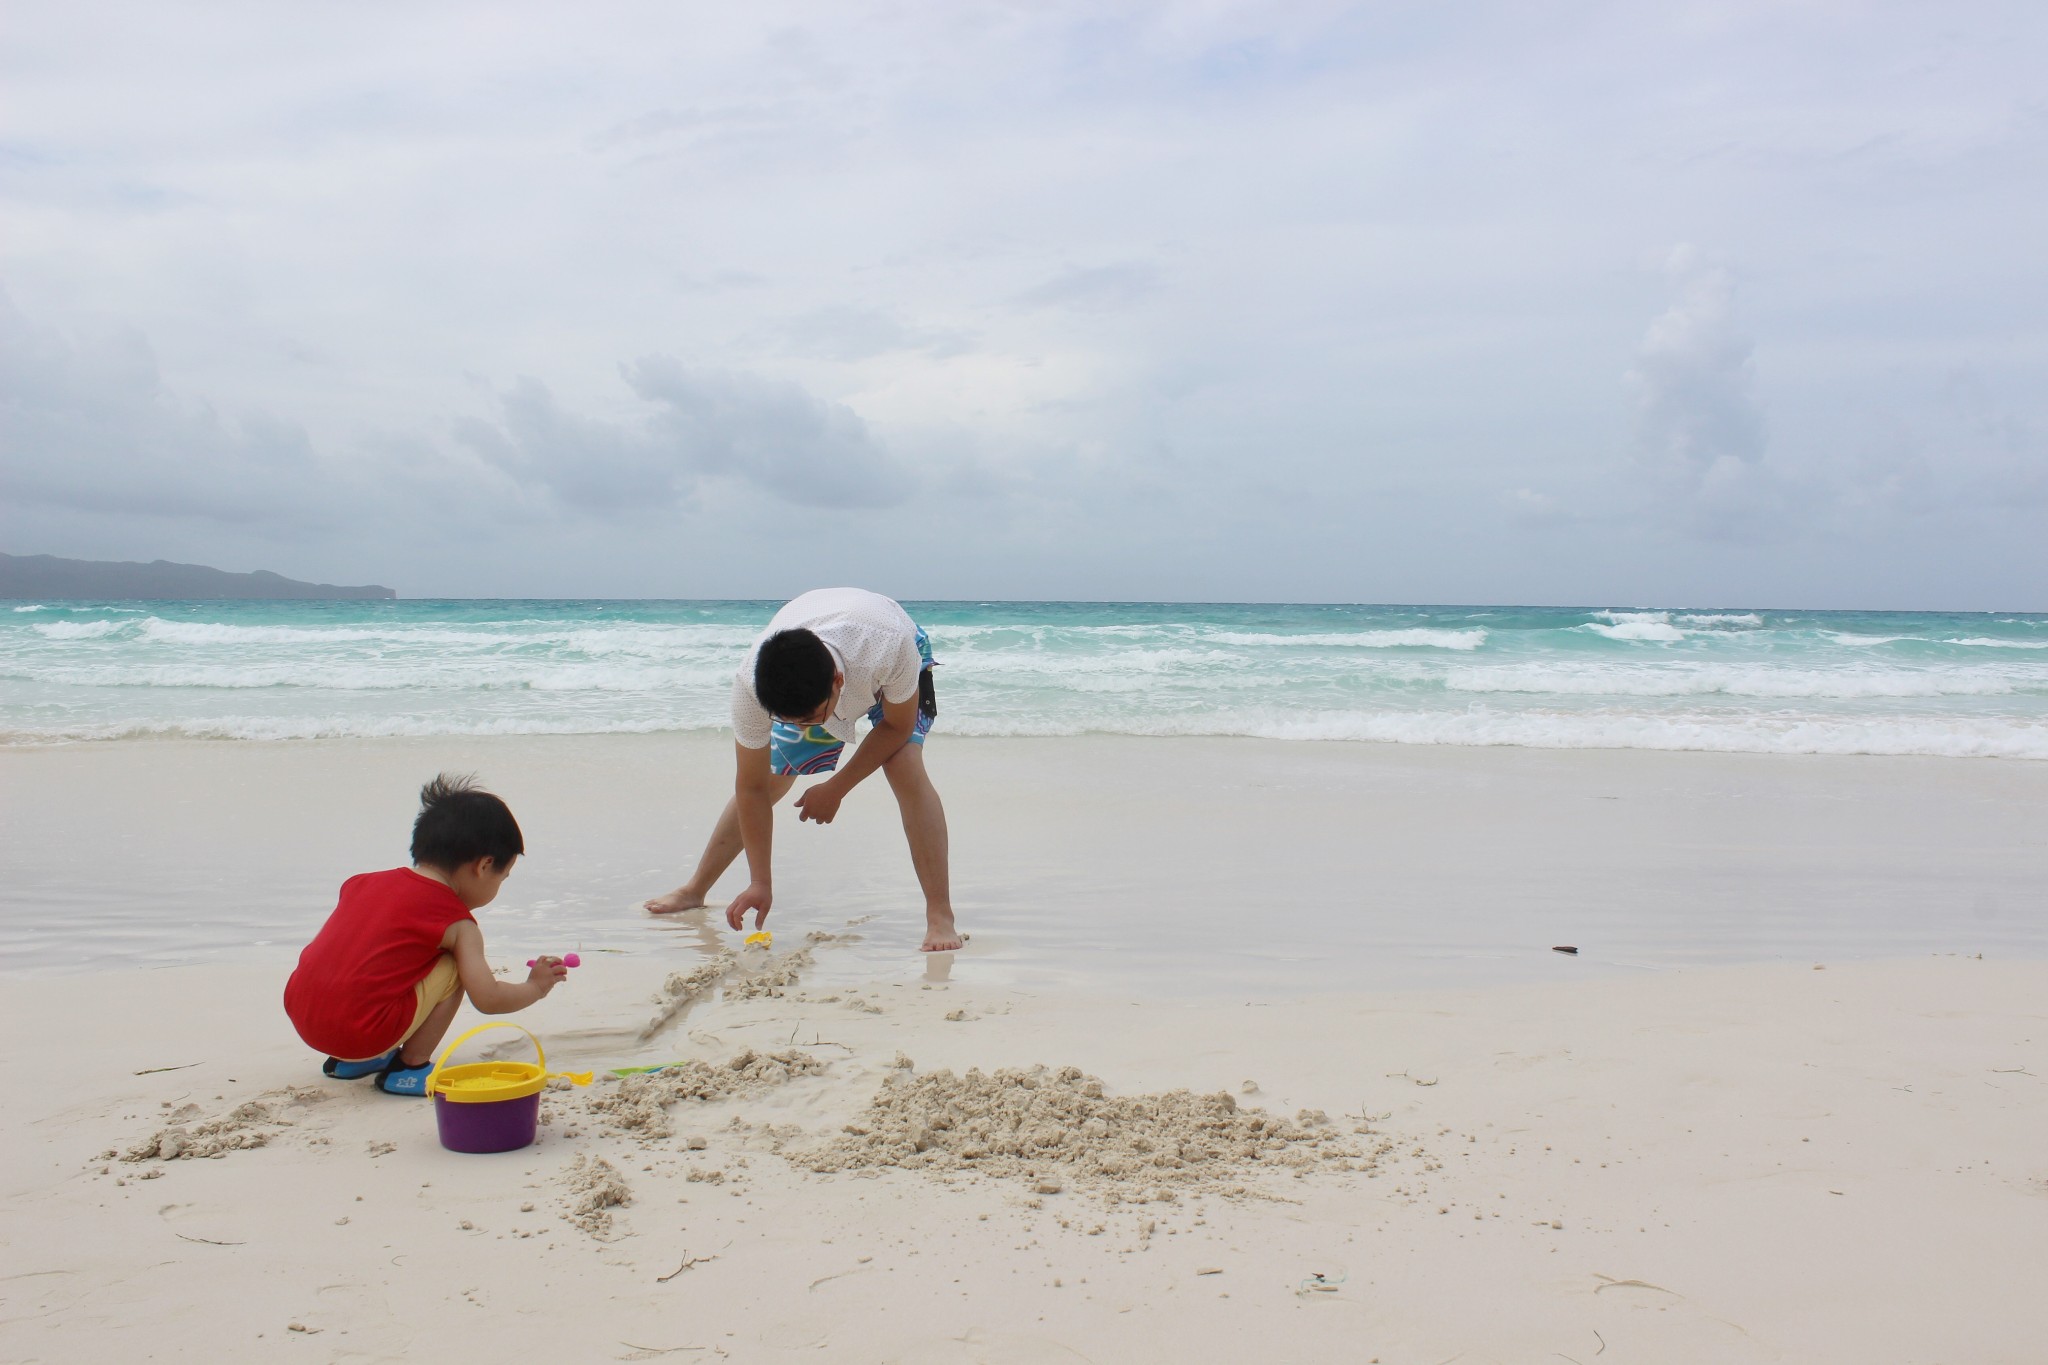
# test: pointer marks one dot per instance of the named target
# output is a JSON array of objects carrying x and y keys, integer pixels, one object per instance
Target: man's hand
[
  {"x": 820, "y": 803},
  {"x": 756, "y": 898}
]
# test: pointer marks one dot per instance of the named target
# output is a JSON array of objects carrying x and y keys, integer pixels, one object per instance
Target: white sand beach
[
  {"x": 1470, "y": 582},
  {"x": 1481, "y": 1150}
]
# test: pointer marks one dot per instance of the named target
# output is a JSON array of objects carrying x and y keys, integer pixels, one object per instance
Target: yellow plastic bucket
[{"x": 490, "y": 1106}]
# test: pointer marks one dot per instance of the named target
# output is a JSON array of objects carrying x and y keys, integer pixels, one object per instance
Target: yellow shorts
[
  {"x": 430, "y": 990},
  {"x": 427, "y": 992}
]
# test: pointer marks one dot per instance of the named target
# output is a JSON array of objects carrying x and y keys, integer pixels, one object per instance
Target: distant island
[{"x": 47, "y": 577}]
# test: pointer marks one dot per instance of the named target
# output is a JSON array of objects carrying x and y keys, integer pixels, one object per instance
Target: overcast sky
[{"x": 1681, "y": 304}]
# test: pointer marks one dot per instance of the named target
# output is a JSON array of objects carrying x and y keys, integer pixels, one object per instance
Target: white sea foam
[
  {"x": 595, "y": 639},
  {"x": 1134, "y": 662},
  {"x": 1654, "y": 632},
  {"x": 1551, "y": 730},
  {"x": 2000, "y": 644},
  {"x": 1953, "y": 738},
  {"x": 1044, "y": 631},
  {"x": 1744, "y": 618},
  {"x": 33, "y": 606},
  {"x": 276, "y": 728},
  {"x": 1724, "y": 680},
  {"x": 1628, "y": 617},
  {"x": 390, "y": 675},
  {"x": 1419, "y": 638},
  {"x": 76, "y": 630}
]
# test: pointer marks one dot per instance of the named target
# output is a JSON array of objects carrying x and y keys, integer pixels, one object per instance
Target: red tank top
[{"x": 352, "y": 995}]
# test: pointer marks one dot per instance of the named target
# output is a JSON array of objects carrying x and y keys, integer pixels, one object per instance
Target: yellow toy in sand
[{"x": 764, "y": 939}]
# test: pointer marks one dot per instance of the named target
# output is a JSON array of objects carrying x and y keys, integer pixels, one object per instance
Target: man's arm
[
  {"x": 890, "y": 733},
  {"x": 754, "y": 802}
]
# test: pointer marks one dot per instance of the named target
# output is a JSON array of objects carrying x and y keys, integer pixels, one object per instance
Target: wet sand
[{"x": 1184, "y": 867}]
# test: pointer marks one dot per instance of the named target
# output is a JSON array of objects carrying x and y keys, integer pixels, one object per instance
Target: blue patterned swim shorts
[{"x": 801, "y": 750}]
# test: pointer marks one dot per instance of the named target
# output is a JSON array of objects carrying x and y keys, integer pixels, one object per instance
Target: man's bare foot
[
  {"x": 682, "y": 898},
  {"x": 940, "y": 936}
]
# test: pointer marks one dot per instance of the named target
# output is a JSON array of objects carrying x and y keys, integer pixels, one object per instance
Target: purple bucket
[
  {"x": 495, "y": 1126},
  {"x": 489, "y": 1106}
]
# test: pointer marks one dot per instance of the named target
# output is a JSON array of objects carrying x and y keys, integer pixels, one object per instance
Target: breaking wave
[{"x": 1716, "y": 678}]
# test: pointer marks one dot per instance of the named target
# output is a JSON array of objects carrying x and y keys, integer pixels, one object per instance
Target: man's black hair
[
  {"x": 460, "y": 822},
  {"x": 793, "y": 673}
]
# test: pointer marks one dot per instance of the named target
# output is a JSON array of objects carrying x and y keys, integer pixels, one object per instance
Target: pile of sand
[
  {"x": 1052, "y": 1128},
  {"x": 639, "y": 1104},
  {"x": 191, "y": 1133},
  {"x": 595, "y": 1189}
]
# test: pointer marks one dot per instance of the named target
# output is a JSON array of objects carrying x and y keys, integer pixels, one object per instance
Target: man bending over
[{"x": 828, "y": 658}]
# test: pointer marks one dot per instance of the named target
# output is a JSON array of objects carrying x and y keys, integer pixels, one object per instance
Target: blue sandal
[
  {"x": 399, "y": 1079},
  {"x": 355, "y": 1071}
]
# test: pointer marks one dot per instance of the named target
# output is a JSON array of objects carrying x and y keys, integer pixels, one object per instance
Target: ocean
[{"x": 1726, "y": 679}]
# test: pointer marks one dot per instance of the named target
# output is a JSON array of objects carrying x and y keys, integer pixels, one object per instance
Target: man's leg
[
  {"x": 719, "y": 852},
  {"x": 924, "y": 825}
]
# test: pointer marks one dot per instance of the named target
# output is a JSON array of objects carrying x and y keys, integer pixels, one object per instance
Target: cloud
[
  {"x": 847, "y": 333},
  {"x": 1999, "y": 456},
  {"x": 1532, "y": 507},
  {"x": 1700, "y": 434},
  {"x": 1353, "y": 262},
  {"x": 590, "y": 465},
  {"x": 1094, "y": 288},
  {"x": 769, "y": 433},
  {"x": 91, "y": 427}
]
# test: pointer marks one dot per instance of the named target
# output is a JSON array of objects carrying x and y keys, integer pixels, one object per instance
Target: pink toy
[{"x": 568, "y": 960}]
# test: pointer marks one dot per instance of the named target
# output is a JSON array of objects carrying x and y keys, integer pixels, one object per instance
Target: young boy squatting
[{"x": 378, "y": 986}]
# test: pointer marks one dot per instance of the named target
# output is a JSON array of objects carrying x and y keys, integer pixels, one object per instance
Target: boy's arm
[
  {"x": 754, "y": 802},
  {"x": 485, "y": 991},
  {"x": 890, "y": 733}
]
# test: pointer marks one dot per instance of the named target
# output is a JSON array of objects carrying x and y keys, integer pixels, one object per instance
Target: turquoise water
[{"x": 1959, "y": 684}]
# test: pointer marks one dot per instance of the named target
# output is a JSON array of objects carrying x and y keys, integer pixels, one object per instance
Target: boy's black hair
[
  {"x": 460, "y": 822},
  {"x": 793, "y": 673}
]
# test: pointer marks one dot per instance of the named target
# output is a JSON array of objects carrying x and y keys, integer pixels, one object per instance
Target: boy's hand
[
  {"x": 547, "y": 973},
  {"x": 756, "y": 898},
  {"x": 820, "y": 803}
]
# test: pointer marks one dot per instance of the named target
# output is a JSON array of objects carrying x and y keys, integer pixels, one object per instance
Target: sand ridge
[
  {"x": 743, "y": 974},
  {"x": 193, "y": 1133},
  {"x": 683, "y": 990}
]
